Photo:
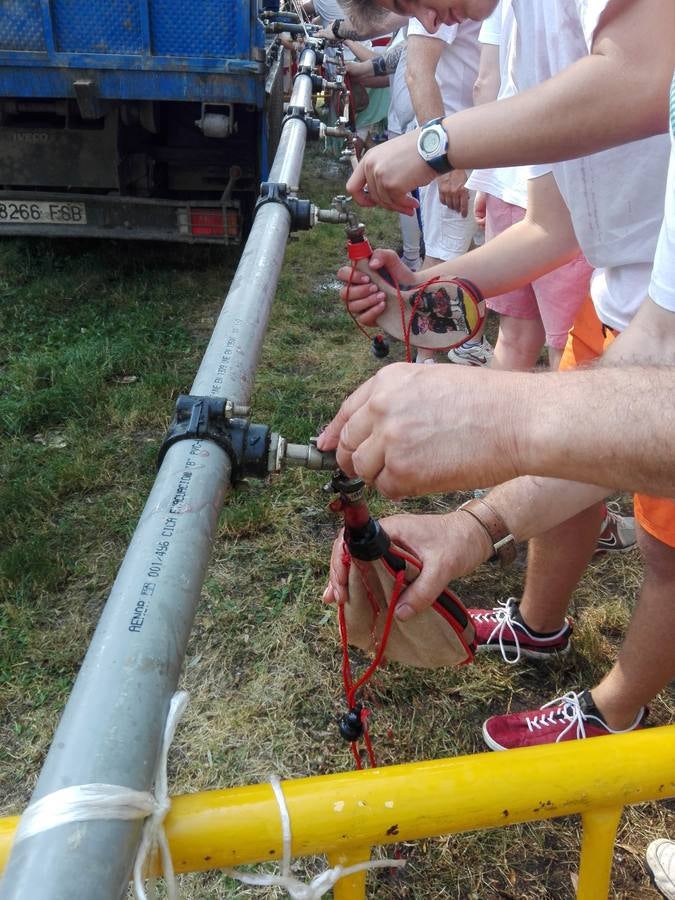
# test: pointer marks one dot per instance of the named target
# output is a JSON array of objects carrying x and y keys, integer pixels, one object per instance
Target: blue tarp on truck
[{"x": 133, "y": 105}]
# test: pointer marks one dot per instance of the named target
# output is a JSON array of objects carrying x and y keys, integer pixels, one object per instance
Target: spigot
[
  {"x": 282, "y": 454},
  {"x": 339, "y": 130}
]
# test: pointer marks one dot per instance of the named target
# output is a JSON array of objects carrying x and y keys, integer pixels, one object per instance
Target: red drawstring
[
  {"x": 351, "y": 688},
  {"x": 406, "y": 327}
]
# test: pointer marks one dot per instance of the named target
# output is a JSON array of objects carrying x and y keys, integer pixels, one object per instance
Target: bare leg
[
  {"x": 556, "y": 561},
  {"x": 410, "y": 232},
  {"x": 646, "y": 661},
  {"x": 519, "y": 344},
  {"x": 554, "y": 357}
]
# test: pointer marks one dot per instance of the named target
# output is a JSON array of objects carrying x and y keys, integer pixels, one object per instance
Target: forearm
[
  {"x": 362, "y": 31},
  {"x": 612, "y": 426},
  {"x": 389, "y": 60},
  {"x": 514, "y": 258},
  {"x": 375, "y": 81},
  {"x": 425, "y": 95},
  {"x": 360, "y": 51},
  {"x": 486, "y": 86},
  {"x": 532, "y": 505},
  {"x": 580, "y": 111},
  {"x": 649, "y": 339}
]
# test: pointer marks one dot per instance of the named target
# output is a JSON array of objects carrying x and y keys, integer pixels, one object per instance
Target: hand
[
  {"x": 326, "y": 34},
  {"x": 448, "y": 547},
  {"x": 452, "y": 192},
  {"x": 357, "y": 71},
  {"x": 414, "y": 430},
  {"x": 480, "y": 208},
  {"x": 390, "y": 171},
  {"x": 363, "y": 298}
]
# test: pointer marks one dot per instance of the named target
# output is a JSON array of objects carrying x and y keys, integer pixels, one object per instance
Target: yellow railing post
[
  {"x": 352, "y": 887},
  {"x": 597, "y": 850}
]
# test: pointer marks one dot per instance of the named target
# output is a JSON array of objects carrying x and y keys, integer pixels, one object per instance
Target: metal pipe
[{"x": 112, "y": 725}]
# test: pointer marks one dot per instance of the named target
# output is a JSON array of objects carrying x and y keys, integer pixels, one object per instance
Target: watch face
[{"x": 430, "y": 142}]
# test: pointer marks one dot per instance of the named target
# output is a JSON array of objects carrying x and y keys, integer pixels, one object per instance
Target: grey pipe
[{"x": 111, "y": 729}]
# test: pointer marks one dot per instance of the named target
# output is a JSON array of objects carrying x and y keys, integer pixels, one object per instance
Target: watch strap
[
  {"x": 440, "y": 164},
  {"x": 335, "y": 28},
  {"x": 502, "y": 540}
]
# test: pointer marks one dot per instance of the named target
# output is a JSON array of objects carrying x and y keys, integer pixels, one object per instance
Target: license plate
[{"x": 25, "y": 212}]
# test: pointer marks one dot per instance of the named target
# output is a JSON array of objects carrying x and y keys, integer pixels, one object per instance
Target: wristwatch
[
  {"x": 335, "y": 28},
  {"x": 432, "y": 146},
  {"x": 503, "y": 542}
]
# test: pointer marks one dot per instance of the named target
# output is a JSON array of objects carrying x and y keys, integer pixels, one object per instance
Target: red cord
[{"x": 350, "y": 687}]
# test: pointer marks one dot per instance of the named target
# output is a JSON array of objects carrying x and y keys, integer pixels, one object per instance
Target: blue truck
[{"x": 147, "y": 119}]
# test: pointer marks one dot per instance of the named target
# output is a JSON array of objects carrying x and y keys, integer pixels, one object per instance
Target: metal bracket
[
  {"x": 221, "y": 421},
  {"x": 315, "y": 127},
  {"x": 302, "y": 211},
  {"x": 295, "y": 112},
  {"x": 254, "y": 450}
]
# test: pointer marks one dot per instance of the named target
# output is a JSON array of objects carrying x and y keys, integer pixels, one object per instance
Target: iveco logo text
[{"x": 31, "y": 137}]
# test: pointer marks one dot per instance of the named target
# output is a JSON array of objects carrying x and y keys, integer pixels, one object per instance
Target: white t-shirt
[
  {"x": 401, "y": 113},
  {"x": 615, "y": 197},
  {"x": 458, "y": 64},
  {"x": 328, "y": 11},
  {"x": 509, "y": 184},
  {"x": 662, "y": 286}
]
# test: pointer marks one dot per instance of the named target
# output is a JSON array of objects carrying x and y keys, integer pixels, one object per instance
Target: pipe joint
[
  {"x": 315, "y": 127},
  {"x": 303, "y": 212},
  {"x": 226, "y": 424}
]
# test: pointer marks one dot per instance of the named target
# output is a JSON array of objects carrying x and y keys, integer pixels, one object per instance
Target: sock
[{"x": 517, "y": 617}]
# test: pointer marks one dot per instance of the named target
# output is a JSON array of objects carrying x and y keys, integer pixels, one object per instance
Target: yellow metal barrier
[{"x": 345, "y": 815}]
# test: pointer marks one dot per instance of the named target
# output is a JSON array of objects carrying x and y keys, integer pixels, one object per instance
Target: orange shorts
[{"x": 587, "y": 340}]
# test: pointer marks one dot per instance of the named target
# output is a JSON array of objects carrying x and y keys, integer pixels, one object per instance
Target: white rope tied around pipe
[
  {"x": 321, "y": 883},
  {"x": 91, "y": 802},
  {"x": 153, "y": 830}
]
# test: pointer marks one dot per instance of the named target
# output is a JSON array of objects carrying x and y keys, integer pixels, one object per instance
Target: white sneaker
[
  {"x": 617, "y": 533},
  {"x": 472, "y": 353},
  {"x": 660, "y": 859}
]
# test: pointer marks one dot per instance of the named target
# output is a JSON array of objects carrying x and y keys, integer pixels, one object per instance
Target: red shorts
[{"x": 588, "y": 339}]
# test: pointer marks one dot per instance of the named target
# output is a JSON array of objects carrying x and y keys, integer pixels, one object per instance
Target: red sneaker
[
  {"x": 503, "y": 629},
  {"x": 566, "y": 718}
]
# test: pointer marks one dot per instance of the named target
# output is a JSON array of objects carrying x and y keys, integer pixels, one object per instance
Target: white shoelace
[
  {"x": 506, "y": 625},
  {"x": 502, "y": 615},
  {"x": 568, "y": 707}
]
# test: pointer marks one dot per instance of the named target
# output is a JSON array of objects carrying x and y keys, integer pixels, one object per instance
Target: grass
[{"x": 98, "y": 340}]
